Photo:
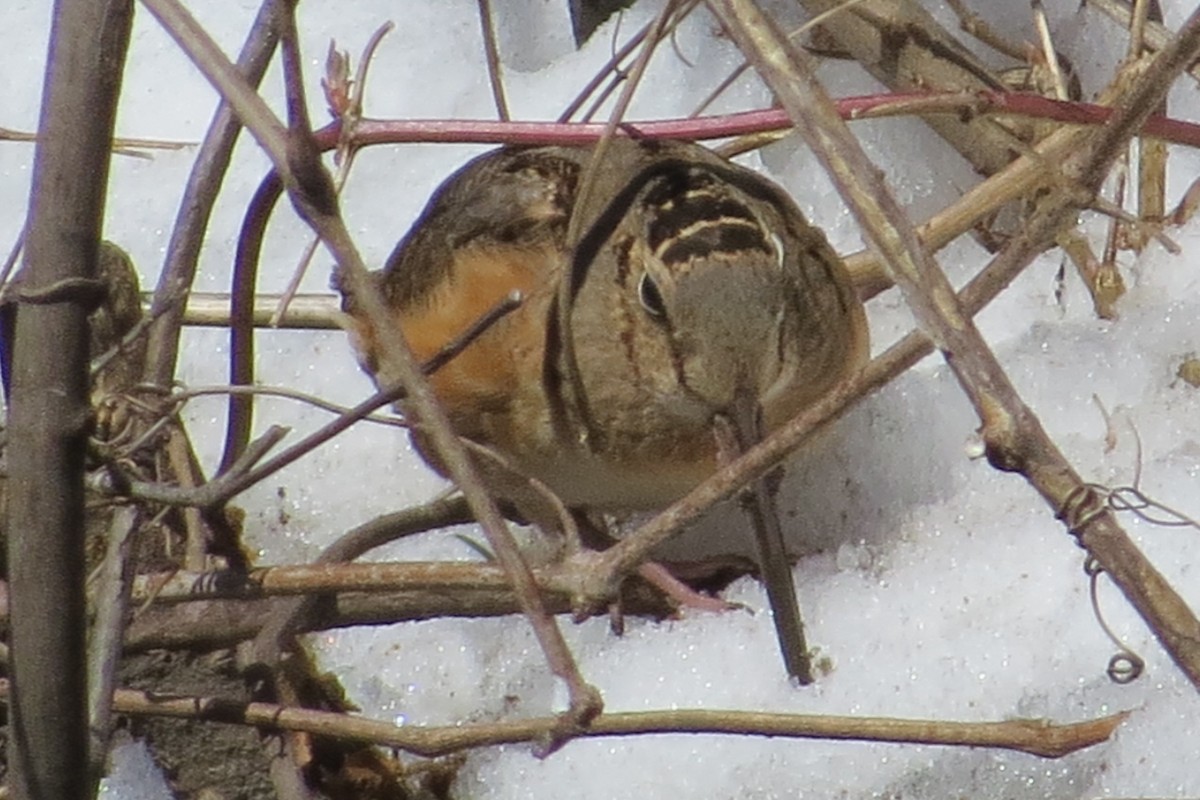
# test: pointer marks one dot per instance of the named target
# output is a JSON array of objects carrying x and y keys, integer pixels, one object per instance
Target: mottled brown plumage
[
  {"x": 694, "y": 311},
  {"x": 702, "y": 288}
]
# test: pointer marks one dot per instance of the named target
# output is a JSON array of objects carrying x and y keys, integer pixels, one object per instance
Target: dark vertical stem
[
  {"x": 241, "y": 317},
  {"x": 49, "y": 414}
]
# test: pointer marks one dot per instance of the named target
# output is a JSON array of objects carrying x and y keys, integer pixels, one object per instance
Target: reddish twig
[{"x": 374, "y": 131}]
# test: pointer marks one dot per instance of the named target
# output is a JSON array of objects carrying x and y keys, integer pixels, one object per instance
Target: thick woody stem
[{"x": 49, "y": 418}]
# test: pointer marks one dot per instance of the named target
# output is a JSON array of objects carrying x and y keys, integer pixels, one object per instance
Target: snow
[
  {"x": 934, "y": 586},
  {"x": 133, "y": 775}
]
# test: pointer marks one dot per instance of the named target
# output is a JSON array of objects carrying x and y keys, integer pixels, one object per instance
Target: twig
[
  {"x": 212, "y": 493},
  {"x": 1154, "y": 35},
  {"x": 905, "y": 48},
  {"x": 488, "y": 27},
  {"x": 1137, "y": 27},
  {"x": 184, "y": 469},
  {"x": 329, "y": 577},
  {"x": 506, "y": 306},
  {"x": 390, "y": 527},
  {"x": 347, "y": 106},
  {"x": 288, "y": 618},
  {"x": 195, "y": 207},
  {"x": 1034, "y": 736},
  {"x": 137, "y": 332},
  {"x": 974, "y": 25},
  {"x": 10, "y": 261},
  {"x": 620, "y": 76},
  {"x": 218, "y": 624},
  {"x": 235, "y": 89},
  {"x": 189, "y": 392},
  {"x": 611, "y": 66},
  {"x": 111, "y": 604},
  {"x": 121, "y": 145},
  {"x": 1048, "y": 52},
  {"x": 306, "y": 311},
  {"x": 1152, "y": 153},
  {"x": 745, "y": 65}
]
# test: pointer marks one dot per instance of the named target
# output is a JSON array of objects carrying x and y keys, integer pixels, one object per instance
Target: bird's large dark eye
[{"x": 651, "y": 297}]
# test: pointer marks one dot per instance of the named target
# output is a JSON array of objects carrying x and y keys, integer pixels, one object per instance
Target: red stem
[{"x": 371, "y": 131}]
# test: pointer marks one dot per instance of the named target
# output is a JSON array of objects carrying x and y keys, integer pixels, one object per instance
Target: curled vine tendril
[
  {"x": 1125, "y": 666},
  {"x": 1083, "y": 505}
]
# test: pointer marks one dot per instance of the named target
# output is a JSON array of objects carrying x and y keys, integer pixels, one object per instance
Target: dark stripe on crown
[
  {"x": 722, "y": 237},
  {"x": 675, "y": 219},
  {"x": 690, "y": 213}
]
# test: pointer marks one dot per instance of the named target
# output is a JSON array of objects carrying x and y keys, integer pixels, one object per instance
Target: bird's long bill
[{"x": 743, "y": 429}]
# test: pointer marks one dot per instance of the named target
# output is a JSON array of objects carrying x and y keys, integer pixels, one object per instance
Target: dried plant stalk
[{"x": 1037, "y": 737}]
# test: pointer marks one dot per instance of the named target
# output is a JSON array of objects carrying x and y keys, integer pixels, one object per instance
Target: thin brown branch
[
  {"x": 131, "y": 341},
  {"x": 974, "y": 25},
  {"x": 1037, "y": 737},
  {"x": 1049, "y": 54},
  {"x": 902, "y": 45},
  {"x": 611, "y": 67},
  {"x": 240, "y": 415},
  {"x": 1152, "y": 153},
  {"x": 619, "y": 75},
  {"x": 390, "y": 527},
  {"x": 741, "y": 68},
  {"x": 1154, "y": 35},
  {"x": 492, "y": 52},
  {"x": 10, "y": 262},
  {"x": 196, "y": 204},
  {"x": 121, "y": 145},
  {"x": 295, "y": 155},
  {"x": 305, "y": 311},
  {"x": 285, "y": 392},
  {"x": 111, "y": 604},
  {"x": 216, "y": 624},
  {"x": 216, "y": 491},
  {"x": 288, "y": 618},
  {"x": 325, "y": 577}
]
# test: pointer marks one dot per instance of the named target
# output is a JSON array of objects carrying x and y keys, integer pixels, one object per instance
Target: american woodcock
[{"x": 696, "y": 291}]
